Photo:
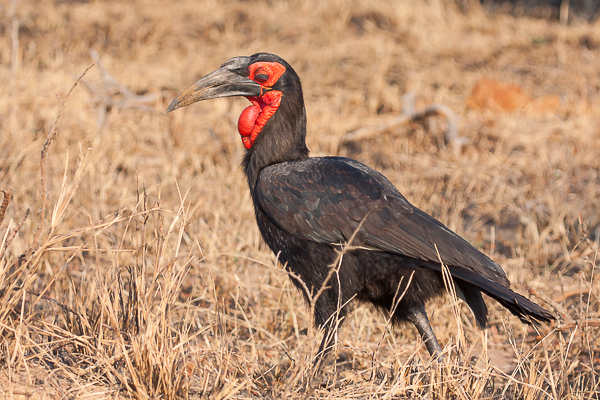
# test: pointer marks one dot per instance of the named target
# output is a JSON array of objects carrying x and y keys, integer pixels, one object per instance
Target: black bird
[{"x": 308, "y": 208}]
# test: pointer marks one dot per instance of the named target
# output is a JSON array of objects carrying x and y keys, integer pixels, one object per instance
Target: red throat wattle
[{"x": 254, "y": 117}]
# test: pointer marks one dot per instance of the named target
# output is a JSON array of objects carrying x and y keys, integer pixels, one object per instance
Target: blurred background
[{"x": 138, "y": 269}]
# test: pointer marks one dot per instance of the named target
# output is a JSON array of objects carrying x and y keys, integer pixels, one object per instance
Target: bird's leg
[
  {"x": 330, "y": 328},
  {"x": 328, "y": 342},
  {"x": 329, "y": 316},
  {"x": 418, "y": 317}
]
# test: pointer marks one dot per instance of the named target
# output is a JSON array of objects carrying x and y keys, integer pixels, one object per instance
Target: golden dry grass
[{"x": 145, "y": 276}]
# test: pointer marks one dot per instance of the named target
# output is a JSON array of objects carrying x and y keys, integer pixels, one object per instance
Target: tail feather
[
  {"x": 472, "y": 296},
  {"x": 526, "y": 310}
]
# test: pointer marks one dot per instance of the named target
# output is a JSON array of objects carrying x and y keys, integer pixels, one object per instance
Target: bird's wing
[{"x": 333, "y": 199}]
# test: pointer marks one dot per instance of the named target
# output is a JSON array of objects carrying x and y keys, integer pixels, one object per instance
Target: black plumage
[{"x": 308, "y": 209}]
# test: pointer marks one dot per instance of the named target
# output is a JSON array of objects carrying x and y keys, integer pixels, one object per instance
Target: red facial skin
[{"x": 253, "y": 118}]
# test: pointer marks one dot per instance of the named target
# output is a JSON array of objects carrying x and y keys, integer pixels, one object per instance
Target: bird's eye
[{"x": 261, "y": 78}]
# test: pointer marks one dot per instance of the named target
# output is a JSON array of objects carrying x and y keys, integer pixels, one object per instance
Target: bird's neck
[{"x": 282, "y": 139}]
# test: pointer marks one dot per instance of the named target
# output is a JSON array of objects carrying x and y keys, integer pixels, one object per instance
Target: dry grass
[{"x": 142, "y": 274}]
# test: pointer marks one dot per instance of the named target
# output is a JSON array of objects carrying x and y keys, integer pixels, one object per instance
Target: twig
[
  {"x": 409, "y": 115},
  {"x": 14, "y": 233},
  {"x": 5, "y": 201},
  {"x": 50, "y": 299},
  {"x": 52, "y": 132}
]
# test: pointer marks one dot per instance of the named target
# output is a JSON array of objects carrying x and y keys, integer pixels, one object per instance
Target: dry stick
[
  {"x": 113, "y": 94},
  {"x": 50, "y": 299},
  {"x": 568, "y": 294},
  {"x": 561, "y": 298},
  {"x": 14, "y": 233},
  {"x": 49, "y": 137},
  {"x": 409, "y": 115},
  {"x": 7, "y": 196}
]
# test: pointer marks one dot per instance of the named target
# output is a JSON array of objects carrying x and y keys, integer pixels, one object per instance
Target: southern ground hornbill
[{"x": 309, "y": 208}]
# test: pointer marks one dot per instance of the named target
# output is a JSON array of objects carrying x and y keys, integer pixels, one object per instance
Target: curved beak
[{"x": 220, "y": 83}]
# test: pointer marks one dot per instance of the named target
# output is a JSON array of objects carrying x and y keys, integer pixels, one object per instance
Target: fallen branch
[
  {"x": 110, "y": 94},
  {"x": 569, "y": 294},
  {"x": 409, "y": 115},
  {"x": 586, "y": 323}
]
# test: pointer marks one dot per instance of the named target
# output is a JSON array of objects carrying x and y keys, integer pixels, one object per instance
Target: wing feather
[{"x": 329, "y": 200}]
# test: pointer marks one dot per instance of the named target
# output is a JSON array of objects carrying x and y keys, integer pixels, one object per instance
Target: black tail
[
  {"x": 467, "y": 281},
  {"x": 472, "y": 296}
]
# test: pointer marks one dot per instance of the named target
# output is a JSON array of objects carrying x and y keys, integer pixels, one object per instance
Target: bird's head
[{"x": 263, "y": 78}]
